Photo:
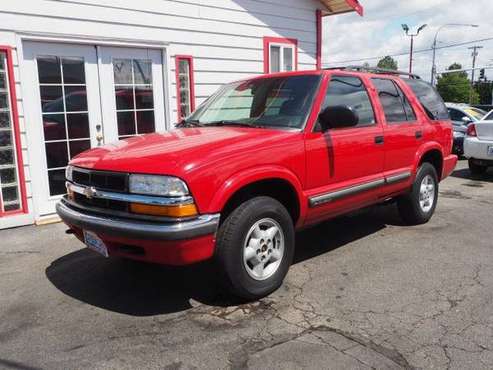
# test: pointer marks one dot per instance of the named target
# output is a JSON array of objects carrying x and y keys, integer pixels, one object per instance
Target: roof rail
[{"x": 376, "y": 70}]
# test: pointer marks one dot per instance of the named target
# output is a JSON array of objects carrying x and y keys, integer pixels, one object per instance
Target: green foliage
[
  {"x": 388, "y": 63},
  {"x": 455, "y": 87},
  {"x": 484, "y": 90}
]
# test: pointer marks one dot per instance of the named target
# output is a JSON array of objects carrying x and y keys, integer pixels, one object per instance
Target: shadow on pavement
[
  {"x": 467, "y": 175},
  {"x": 140, "y": 289}
]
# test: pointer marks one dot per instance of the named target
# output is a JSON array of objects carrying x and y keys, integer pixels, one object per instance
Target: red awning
[{"x": 341, "y": 6}]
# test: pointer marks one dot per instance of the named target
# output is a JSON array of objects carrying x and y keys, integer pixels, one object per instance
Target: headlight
[
  {"x": 68, "y": 173},
  {"x": 157, "y": 185}
]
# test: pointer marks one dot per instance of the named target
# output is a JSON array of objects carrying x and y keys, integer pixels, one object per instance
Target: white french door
[
  {"x": 80, "y": 96},
  {"x": 132, "y": 92}
]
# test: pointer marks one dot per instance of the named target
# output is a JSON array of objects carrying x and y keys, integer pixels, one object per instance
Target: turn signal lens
[
  {"x": 471, "y": 130},
  {"x": 187, "y": 210}
]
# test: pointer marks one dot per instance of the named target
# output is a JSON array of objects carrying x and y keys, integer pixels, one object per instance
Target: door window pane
[
  {"x": 75, "y": 98},
  {"x": 393, "y": 101},
  {"x": 134, "y": 96},
  {"x": 54, "y": 126},
  {"x": 275, "y": 59},
  {"x": 143, "y": 72},
  {"x": 9, "y": 185},
  {"x": 49, "y": 70},
  {"x": 63, "y": 91},
  {"x": 73, "y": 71},
  {"x": 350, "y": 91}
]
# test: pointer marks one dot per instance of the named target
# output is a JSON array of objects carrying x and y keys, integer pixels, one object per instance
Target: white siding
[{"x": 225, "y": 37}]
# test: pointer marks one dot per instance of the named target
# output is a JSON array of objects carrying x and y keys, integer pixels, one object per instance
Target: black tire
[
  {"x": 476, "y": 169},
  {"x": 409, "y": 206},
  {"x": 230, "y": 243}
]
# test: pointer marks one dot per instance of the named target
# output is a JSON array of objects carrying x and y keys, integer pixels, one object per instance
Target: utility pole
[
  {"x": 406, "y": 29},
  {"x": 474, "y": 55}
]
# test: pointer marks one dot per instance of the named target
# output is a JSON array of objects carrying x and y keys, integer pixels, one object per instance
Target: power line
[{"x": 407, "y": 53}]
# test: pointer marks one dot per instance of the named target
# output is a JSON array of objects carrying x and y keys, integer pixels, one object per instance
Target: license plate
[
  {"x": 95, "y": 243},
  {"x": 490, "y": 151}
]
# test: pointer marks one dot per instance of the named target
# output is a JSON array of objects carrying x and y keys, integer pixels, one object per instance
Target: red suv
[{"x": 257, "y": 161}]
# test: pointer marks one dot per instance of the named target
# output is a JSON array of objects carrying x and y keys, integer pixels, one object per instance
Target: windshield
[
  {"x": 476, "y": 113},
  {"x": 489, "y": 117},
  {"x": 281, "y": 102}
]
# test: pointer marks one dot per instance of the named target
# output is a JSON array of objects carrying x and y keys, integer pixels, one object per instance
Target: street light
[
  {"x": 406, "y": 29},
  {"x": 434, "y": 46}
]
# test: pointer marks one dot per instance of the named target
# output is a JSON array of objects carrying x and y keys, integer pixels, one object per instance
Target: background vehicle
[
  {"x": 478, "y": 146},
  {"x": 257, "y": 161},
  {"x": 462, "y": 115}
]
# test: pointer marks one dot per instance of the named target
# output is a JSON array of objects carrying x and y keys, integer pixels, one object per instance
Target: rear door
[
  {"x": 344, "y": 165},
  {"x": 403, "y": 133}
]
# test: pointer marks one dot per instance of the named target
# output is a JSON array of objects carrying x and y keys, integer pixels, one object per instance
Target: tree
[
  {"x": 455, "y": 87},
  {"x": 388, "y": 63}
]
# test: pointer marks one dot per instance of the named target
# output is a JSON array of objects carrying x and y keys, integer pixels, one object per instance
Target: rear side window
[
  {"x": 350, "y": 91},
  {"x": 429, "y": 98},
  {"x": 456, "y": 115},
  {"x": 395, "y": 104}
]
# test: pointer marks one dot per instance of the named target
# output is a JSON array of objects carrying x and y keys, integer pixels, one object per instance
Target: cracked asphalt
[{"x": 364, "y": 292}]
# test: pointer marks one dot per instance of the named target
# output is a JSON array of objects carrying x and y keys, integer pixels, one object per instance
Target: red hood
[{"x": 179, "y": 151}]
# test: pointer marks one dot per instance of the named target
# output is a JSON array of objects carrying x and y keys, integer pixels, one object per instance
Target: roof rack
[{"x": 376, "y": 70}]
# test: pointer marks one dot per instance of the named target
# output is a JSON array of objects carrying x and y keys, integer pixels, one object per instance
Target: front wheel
[
  {"x": 418, "y": 206},
  {"x": 255, "y": 247}
]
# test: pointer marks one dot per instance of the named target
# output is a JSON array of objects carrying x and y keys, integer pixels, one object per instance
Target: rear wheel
[
  {"x": 255, "y": 247},
  {"x": 418, "y": 206},
  {"x": 476, "y": 169}
]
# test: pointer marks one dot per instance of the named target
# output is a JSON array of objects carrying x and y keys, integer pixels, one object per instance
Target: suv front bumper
[{"x": 174, "y": 243}]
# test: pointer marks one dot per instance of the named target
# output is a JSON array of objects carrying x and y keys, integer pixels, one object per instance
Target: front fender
[{"x": 254, "y": 174}]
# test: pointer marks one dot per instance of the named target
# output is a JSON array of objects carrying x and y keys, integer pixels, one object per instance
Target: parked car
[
  {"x": 478, "y": 146},
  {"x": 257, "y": 161},
  {"x": 462, "y": 115}
]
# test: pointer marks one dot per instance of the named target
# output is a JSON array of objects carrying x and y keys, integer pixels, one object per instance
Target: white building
[{"x": 75, "y": 74}]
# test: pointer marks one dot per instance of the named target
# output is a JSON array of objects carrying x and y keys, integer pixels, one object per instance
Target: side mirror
[
  {"x": 339, "y": 116},
  {"x": 466, "y": 120}
]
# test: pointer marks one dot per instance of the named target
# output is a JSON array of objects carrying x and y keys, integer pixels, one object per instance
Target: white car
[{"x": 478, "y": 146}]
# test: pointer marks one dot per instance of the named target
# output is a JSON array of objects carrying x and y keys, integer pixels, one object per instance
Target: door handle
[
  {"x": 419, "y": 134},
  {"x": 379, "y": 140},
  {"x": 99, "y": 134}
]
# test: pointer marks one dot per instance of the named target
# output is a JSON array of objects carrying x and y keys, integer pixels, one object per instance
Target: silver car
[{"x": 462, "y": 115}]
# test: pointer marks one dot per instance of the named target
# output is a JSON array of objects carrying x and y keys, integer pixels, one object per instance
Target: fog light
[{"x": 187, "y": 210}]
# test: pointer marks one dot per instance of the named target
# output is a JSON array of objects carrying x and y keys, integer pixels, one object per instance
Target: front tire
[
  {"x": 418, "y": 206},
  {"x": 255, "y": 247},
  {"x": 476, "y": 169}
]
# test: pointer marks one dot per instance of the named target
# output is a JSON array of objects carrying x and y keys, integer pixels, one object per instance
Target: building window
[
  {"x": 12, "y": 192},
  {"x": 185, "y": 94},
  {"x": 280, "y": 55}
]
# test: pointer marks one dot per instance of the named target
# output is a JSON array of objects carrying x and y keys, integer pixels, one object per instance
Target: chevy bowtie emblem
[{"x": 90, "y": 192}]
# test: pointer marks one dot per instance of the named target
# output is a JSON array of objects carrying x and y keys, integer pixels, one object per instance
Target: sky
[{"x": 349, "y": 37}]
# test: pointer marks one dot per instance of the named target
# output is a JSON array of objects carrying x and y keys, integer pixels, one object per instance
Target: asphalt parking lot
[{"x": 364, "y": 292}]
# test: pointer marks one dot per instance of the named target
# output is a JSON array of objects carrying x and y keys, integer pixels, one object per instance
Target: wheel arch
[
  {"x": 432, "y": 154},
  {"x": 278, "y": 183}
]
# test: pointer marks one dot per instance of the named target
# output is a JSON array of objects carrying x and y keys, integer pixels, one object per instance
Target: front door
[
  {"x": 345, "y": 165},
  {"x": 82, "y": 96}
]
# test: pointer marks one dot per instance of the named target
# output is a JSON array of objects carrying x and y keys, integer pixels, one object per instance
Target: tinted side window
[
  {"x": 394, "y": 102},
  {"x": 350, "y": 91},
  {"x": 429, "y": 98}
]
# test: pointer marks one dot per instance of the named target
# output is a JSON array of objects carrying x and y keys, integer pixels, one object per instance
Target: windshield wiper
[
  {"x": 189, "y": 123},
  {"x": 231, "y": 123}
]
